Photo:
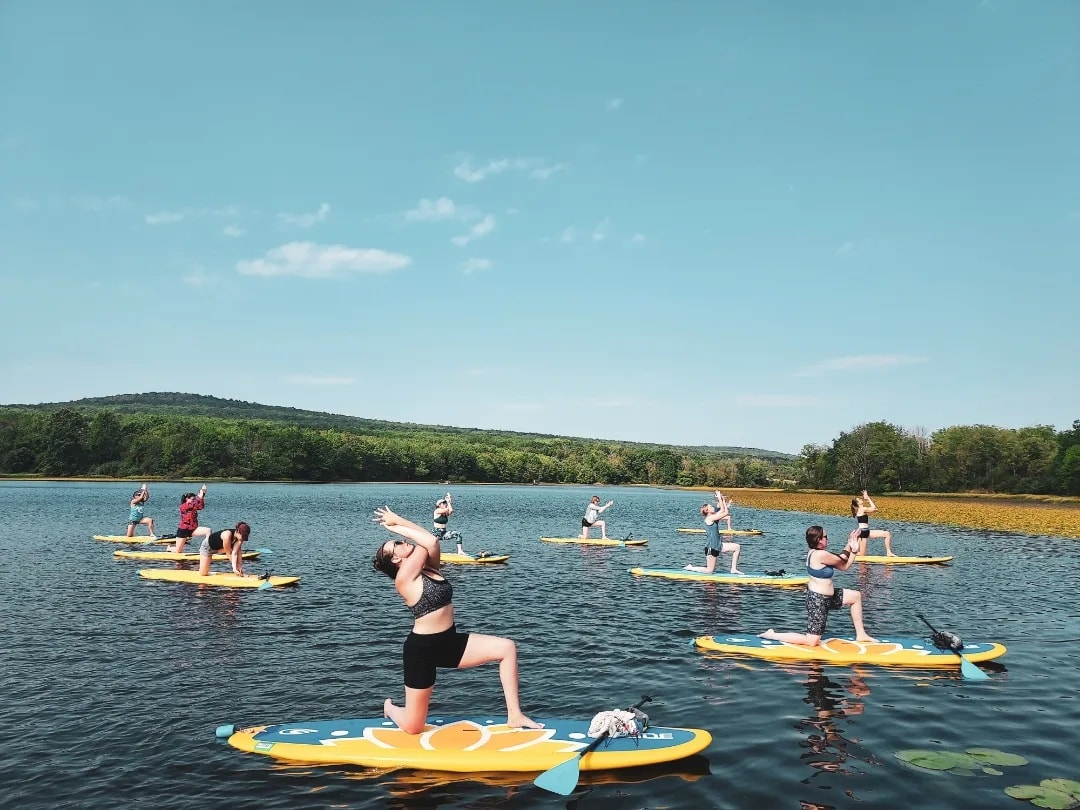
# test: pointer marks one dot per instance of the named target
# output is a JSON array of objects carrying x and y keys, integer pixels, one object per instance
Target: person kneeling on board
[
  {"x": 229, "y": 542},
  {"x": 713, "y": 546},
  {"x": 821, "y": 595},
  {"x": 414, "y": 565}
]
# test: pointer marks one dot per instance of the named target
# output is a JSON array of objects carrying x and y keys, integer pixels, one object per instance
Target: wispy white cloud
[
  {"x": 309, "y": 379},
  {"x": 233, "y": 231},
  {"x": 846, "y": 249},
  {"x": 434, "y": 210},
  {"x": 198, "y": 277},
  {"x": 471, "y": 266},
  {"x": 306, "y": 220},
  {"x": 637, "y": 238},
  {"x": 600, "y": 232},
  {"x": 860, "y": 362},
  {"x": 776, "y": 400},
  {"x": 173, "y": 216},
  {"x": 568, "y": 235},
  {"x": 537, "y": 168},
  {"x": 164, "y": 217},
  {"x": 311, "y": 260},
  {"x": 613, "y": 104},
  {"x": 481, "y": 228}
]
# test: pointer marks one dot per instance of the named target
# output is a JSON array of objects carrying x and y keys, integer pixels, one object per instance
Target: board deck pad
[
  {"x": 883, "y": 560},
  {"x": 172, "y": 555},
  {"x": 469, "y": 559},
  {"x": 722, "y": 531},
  {"x": 782, "y": 581},
  {"x": 595, "y": 541},
  {"x": 890, "y": 651},
  {"x": 464, "y": 744},
  {"x": 220, "y": 579}
]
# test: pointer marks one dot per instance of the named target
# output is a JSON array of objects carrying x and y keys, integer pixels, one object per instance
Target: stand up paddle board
[
  {"x": 594, "y": 541},
  {"x": 722, "y": 531},
  {"x": 462, "y": 744},
  {"x": 172, "y": 555},
  {"x": 219, "y": 579},
  {"x": 779, "y": 580},
  {"x": 468, "y": 559},
  {"x": 899, "y": 652},
  {"x": 120, "y": 538},
  {"x": 901, "y": 560}
]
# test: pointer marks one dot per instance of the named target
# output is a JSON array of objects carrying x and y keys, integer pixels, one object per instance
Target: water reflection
[{"x": 827, "y": 749}]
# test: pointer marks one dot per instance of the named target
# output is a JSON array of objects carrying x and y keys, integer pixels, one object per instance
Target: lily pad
[
  {"x": 1043, "y": 796},
  {"x": 1070, "y": 786},
  {"x": 991, "y": 756},
  {"x": 938, "y": 760},
  {"x": 993, "y": 771}
]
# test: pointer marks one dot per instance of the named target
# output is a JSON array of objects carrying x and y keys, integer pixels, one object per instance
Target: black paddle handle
[
  {"x": 924, "y": 621},
  {"x": 592, "y": 746}
]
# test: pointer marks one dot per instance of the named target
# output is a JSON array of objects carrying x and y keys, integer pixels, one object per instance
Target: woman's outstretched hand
[{"x": 386, "y": 516}]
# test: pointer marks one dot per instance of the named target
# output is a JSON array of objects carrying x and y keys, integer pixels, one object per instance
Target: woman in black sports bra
[
  {"x": 229, "y": 542},
  {"x": 414, "y": 565},
  {"x": 861, "y": 512}
]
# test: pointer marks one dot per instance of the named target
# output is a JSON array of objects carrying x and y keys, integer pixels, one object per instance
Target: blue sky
[{"x": 754, "y": 224}]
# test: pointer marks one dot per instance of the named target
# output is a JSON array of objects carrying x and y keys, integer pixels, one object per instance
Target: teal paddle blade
[
  {"x": 970, "y": 671},
  {"x": 561, "y": 779}
]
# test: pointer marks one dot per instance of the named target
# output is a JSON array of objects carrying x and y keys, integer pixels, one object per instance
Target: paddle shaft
[{"x": 935, "y": 631}]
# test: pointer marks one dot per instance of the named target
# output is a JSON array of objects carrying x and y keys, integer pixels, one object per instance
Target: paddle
[
  {"x": 947, "y": 641},
  {"x": 563, "y": 778}
]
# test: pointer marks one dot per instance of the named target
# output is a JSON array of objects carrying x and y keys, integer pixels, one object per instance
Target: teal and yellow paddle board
[
  {"x": 594, "y": 541},
  {"x": 781, "y": 580},
  {"x": 901, "y": 560},
  {"x": 468, "y": 559},
  {"x": 172, "y": 555},
  {"x": 722, "y": 531},
  {"x": 462, "y": 744},
  {"x": 892, "y": 651},
  {"x": 220, "y": 579}
]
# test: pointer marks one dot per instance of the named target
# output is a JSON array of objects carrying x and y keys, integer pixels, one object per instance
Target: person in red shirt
[{"x": 190, "y": 506}]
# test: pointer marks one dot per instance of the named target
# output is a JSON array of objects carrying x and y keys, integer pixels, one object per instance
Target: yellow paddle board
[
  {"x": 463, "y": 744},
  {"x": 595, "y": 541},
  {"x": 172, "y": 555},
  {"x": 219, "y": 579},
  {"x": 722, "y": 531},
  {"x": 778, "y": 580},
  {"x": 901, "y": 560},
  {"x": 119, "y": 538},
  {"x": 468, "y": 559},
  {"x": 892, "y": 651}
]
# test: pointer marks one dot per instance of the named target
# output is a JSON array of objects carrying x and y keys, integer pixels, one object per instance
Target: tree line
[
  {"x": 886, "y": 458},
  {"x": 70, "y": 442}
]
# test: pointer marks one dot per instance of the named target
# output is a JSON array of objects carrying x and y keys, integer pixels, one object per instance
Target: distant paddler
[
  {"x": 444, "y": 507},
  {"x": 137, "y": 516},
  {"x": 592, "y": 517},
  {"x": 860, "y": 510},
  {"x": 713, "y": 545}
]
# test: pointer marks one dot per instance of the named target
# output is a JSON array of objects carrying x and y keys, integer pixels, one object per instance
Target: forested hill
[
  {"x": 169, "y": 403},
  {"x": 189, "y": 436}
]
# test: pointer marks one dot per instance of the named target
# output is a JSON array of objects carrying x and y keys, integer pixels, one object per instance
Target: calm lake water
[{"x": 112, "y": 685}]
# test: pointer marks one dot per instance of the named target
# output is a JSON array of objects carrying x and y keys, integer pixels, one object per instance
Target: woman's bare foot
[
  {"x": 521, "y": 721},
  {"x": 737, "y": 571},
  {"x": 387, "y": 707},
  {"x": 865, "y": 638},
  {"x": 770, "y": 633}
]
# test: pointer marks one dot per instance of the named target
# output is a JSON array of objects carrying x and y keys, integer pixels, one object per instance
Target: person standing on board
[
  {"x": 444, "y": 507},
  {"x": 190, "y": 506},
  {"x": 136, "y": 516},
  {"x": 723, "y": 508},
  {"x": 861, "y": 512},
  {"x": 713, "y": 545},
  {"x": 435, "y": 643},
  {"x": 592, "y": 513},
  {"x": 822, "y": 596},
  {"x": 229, "y": 542}
]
